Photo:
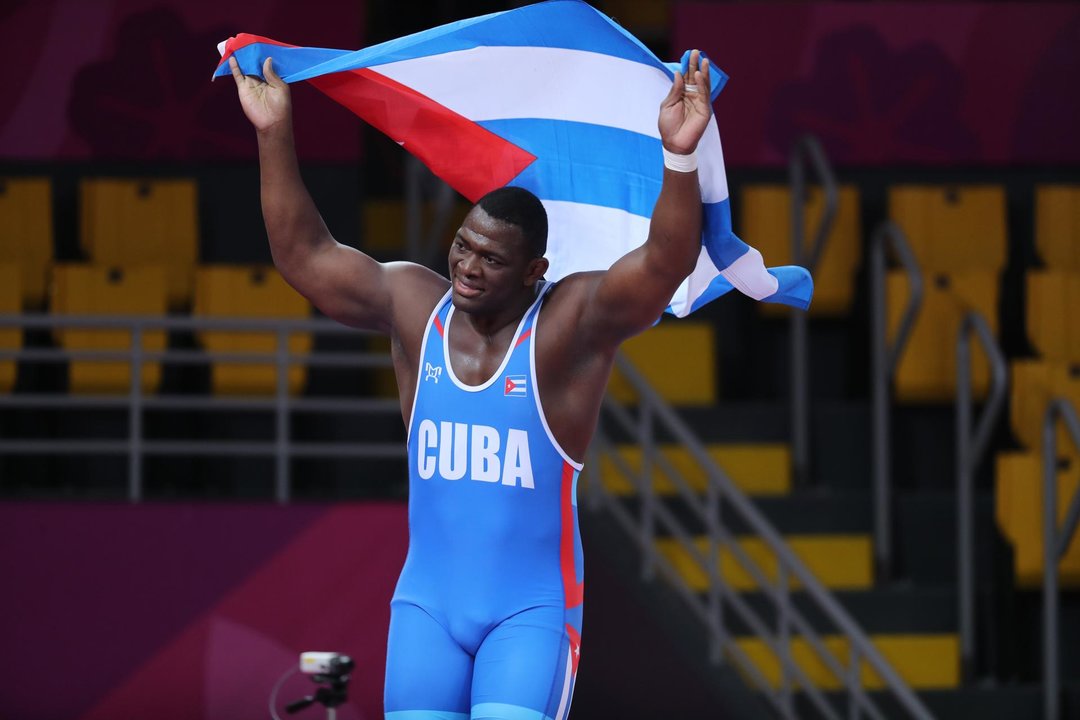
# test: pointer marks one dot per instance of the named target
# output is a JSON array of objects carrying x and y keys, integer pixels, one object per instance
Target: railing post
[
  {"x": 970, "y": 447},
  {"x": 884, "y": 361},
  {"x": 282, "y": 479},
  {"x": 806, "y": 148},
  {"x": 716, "y": 606},
  {"x": 882, "y": 456},
  {"x": 135, "y": 415},
  {"x": 648, "y": 487},
  {"x": 853, "y": 682},
  {"x": 783, "y": 632},
  {"x": 965, "y": 541},
  {"x": 1055, "y": 545}
]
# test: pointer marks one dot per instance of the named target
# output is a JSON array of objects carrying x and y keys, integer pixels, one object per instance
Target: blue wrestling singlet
[{"x": 486, "y": 618}]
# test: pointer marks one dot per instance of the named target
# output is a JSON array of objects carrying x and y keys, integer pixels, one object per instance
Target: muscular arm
[
  {"x": 633, "y": 293},
  {"x": 341, "y": 281}
]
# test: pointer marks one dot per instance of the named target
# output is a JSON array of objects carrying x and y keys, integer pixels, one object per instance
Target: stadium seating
[
  {"x": 249, "y": 292},
  {"x": 79, "y": 289},
  {"x": 26, "y": 234},
  {"x": 1057, "y": 225},
  {"x": 130, "y": 223},
  {"x": 764, "y": 221},
  {"x": 677, "y": 358},
  {"x": 1018, "y": 497},
  {"x": 927, "y": 369},
  {"x": 1033, "y": 384},
  {"x": 952, "y": 228},
  {"x": 1053, "y": 326},
  {"x": 10, "y": 338},
  {"x": 383, "y": 223}
]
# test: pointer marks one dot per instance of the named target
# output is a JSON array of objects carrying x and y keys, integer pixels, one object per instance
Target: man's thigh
[
  {"x": 428, "y": 675},
  {"x": 524, "y": 669}
]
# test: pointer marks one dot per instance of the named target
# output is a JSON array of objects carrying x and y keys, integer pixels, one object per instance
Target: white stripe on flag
[
  {"x": 496, "y": 83},
  {"x": 747, "y": 275},
  {"x": 583, "y": 237}
]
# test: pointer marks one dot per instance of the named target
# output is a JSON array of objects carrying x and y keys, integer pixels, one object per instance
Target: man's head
[
  {"x": 497, "y": 256},
  {"x": 520, "y": 207}
]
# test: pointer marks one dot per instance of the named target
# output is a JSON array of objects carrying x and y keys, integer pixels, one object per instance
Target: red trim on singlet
[
  {"x": 574, "y": 590},
  {"x": 523, "y": 337},
  {"x": 575, "y": 646},
  {"x": 438, "y": 325}
]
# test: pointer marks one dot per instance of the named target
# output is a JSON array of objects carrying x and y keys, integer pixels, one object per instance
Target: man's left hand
[{"x": 685, "y": 112}]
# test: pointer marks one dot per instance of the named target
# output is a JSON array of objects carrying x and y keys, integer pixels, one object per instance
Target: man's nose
[{"x": 471, "y": 264}]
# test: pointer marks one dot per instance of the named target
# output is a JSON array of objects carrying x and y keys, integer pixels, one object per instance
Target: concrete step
[
  {"x": 895, "y": 609},
  {"x": 924, "y": 661},
  {"x": 838, "y": 561}
]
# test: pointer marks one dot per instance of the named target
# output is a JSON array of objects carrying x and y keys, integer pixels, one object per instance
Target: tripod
[{"x": 331, "y": 696}]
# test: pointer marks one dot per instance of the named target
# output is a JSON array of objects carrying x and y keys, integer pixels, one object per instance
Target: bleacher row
[
  {"x": 959, "y": 237},
  {"x": 140, "y": 241}
]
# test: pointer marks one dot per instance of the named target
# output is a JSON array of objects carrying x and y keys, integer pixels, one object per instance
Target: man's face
[{"x": 489, "y": 263}]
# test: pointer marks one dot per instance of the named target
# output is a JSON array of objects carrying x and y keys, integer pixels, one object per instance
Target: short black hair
[{"x": 520, "y": 207}]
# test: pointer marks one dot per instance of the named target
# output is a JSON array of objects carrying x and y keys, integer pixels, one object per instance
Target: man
[{"x": 501, "y": 375}]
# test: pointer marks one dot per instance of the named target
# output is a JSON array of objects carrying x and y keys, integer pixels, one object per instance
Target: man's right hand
[{"x": 266, "y": 104}]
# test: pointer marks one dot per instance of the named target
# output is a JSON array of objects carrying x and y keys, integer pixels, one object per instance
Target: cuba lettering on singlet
[{"x": 476, "y": 452}]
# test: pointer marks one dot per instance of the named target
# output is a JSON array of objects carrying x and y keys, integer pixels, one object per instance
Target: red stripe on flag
[
  {"x": 575, "y": 591},
  {"x": 437, "y": 135},
  {"x": 243, "y": 40}
]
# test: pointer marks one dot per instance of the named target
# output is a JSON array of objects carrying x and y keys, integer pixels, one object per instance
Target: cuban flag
[
  {"x": 553, "y": 97},
  {"x": 515, "y": 386}
]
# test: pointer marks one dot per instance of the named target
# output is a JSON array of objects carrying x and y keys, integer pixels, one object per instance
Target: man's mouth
[{"x": 465, "y": 289}]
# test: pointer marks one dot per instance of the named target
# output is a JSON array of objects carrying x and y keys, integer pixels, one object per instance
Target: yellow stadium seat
[
  {"x": 927, "y": 371},
  {"x": 249, "y": 292},
  {"x": 10, "y": 337},
  {"x": 383, "y": 223},
  {"x": 952, "y": 228},
  {"x": 1053, "y": 320},
  {"x": 96, "y": 290},
  {"x": 26, "y": 233},
  {"x": 129, "y": 223},
  {"x": 764, "y": 221},
  {"x": 677, "y": 358},
  {"x": 643, "y": 19},
  {"x": 1057, "y": 225},
  {"x": 1018, "y": 494},
  {"x": 1033, "y": 384}
]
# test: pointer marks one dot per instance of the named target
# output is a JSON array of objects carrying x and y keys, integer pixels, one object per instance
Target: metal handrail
[
  {"x": 970, "y": 449},
  {"x": 135, "y": 446},
  {"x": 807, "y": 148},
  {"x": 884, "y": 361},
  {"x": 721, "y": 598},
  {"x": 1055, "y": 544}
]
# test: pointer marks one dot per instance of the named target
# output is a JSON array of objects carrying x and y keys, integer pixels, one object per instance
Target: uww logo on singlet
[{"x": 457, "y": 449}]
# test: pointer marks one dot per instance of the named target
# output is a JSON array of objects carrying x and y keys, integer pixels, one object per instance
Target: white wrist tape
[{"x": 680, "y": 163}]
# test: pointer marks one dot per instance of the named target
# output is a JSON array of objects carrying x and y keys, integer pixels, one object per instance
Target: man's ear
[{"x": 537, "y": 268}]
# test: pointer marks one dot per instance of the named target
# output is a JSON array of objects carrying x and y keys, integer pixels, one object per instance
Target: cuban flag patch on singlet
[{"x": 515, "y": 386}]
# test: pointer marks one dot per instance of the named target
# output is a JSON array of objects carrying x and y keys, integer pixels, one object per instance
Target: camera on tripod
[{"x": 325, "y": 668}]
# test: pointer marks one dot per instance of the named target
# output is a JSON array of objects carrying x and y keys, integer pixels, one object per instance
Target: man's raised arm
[
  {"x": 634, "y": 292},
  {"x": 341, "y": 281}
]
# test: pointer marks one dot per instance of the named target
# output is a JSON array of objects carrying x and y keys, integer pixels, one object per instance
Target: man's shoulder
[{"x": 574, "y": 289}]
